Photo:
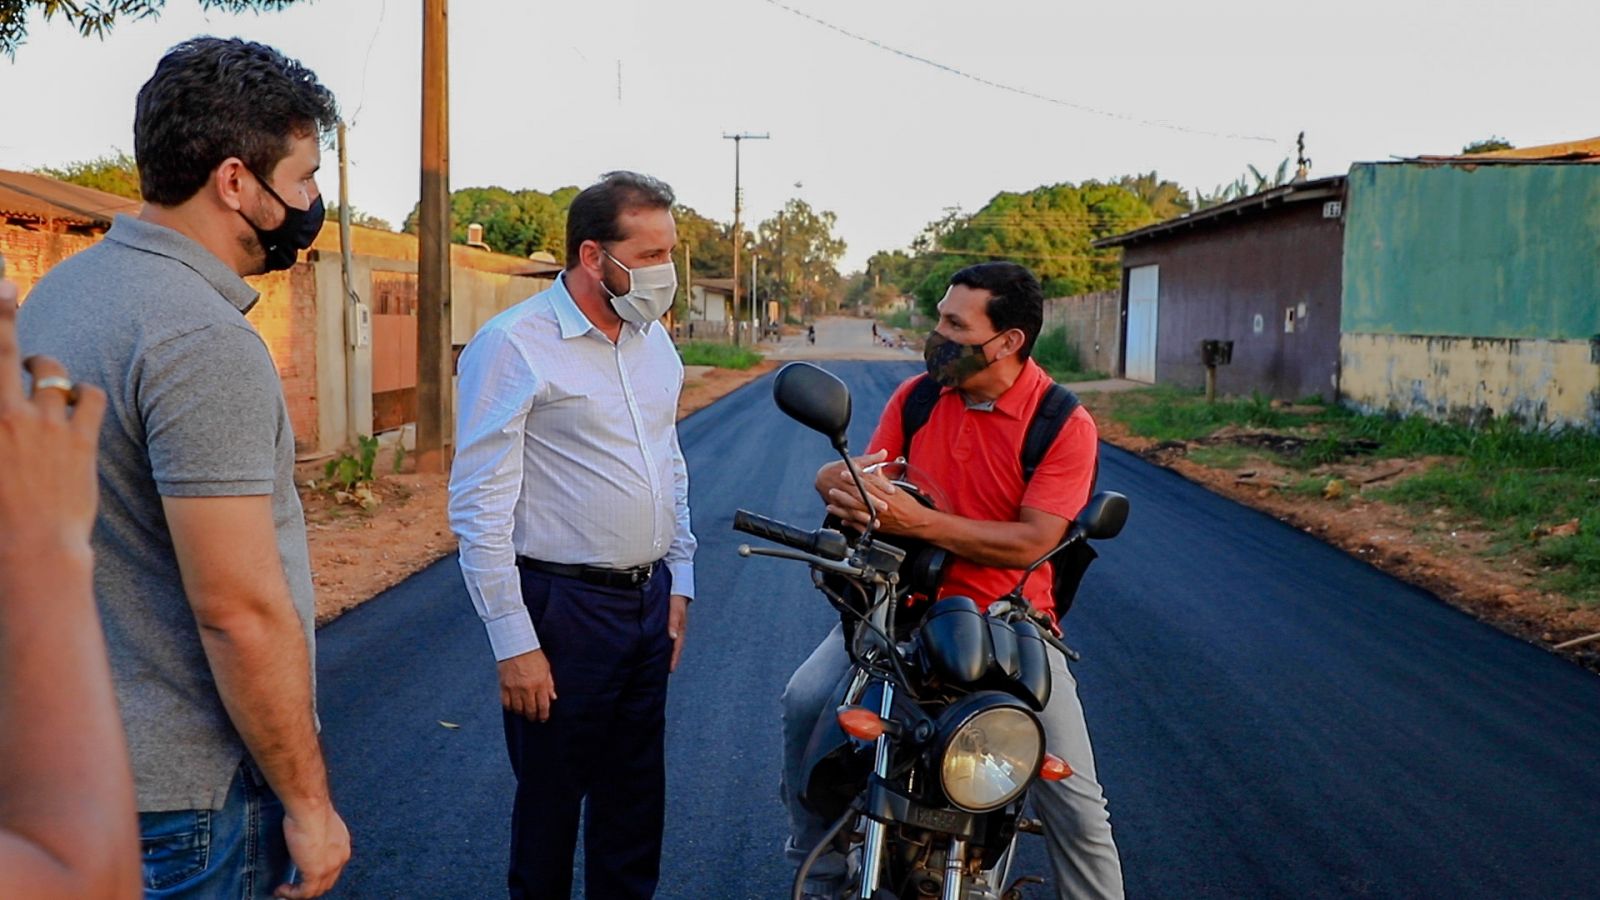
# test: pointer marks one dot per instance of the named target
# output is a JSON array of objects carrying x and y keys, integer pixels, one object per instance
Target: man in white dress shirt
[{"x": 570, "y": 498}]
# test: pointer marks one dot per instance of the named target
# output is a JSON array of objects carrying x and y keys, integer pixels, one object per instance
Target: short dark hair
[
  {"x": 213, "y": 98},
  {"x": 1016, "y": 299},
  {"x": 596, "y": 213}
]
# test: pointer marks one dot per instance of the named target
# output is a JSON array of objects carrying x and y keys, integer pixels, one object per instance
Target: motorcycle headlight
[{"x": 990, "y": 752}]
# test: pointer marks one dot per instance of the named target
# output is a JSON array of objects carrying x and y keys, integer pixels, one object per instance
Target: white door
[{"x": 1143, "y": 285}]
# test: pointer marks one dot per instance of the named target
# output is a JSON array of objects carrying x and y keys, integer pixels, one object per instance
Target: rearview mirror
[
  {"x": 815, "y": 398},
  {"x": 1104, "y": 516}
]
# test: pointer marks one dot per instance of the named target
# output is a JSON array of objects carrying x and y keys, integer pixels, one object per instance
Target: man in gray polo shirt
[{"x": 201, "y": 568}]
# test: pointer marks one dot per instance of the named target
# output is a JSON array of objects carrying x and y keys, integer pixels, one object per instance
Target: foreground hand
[
  {"x": 897, "y": 512},
  {"x": 837, "y": 475},
  {"x": 48, "y": 487},
  {"x": 526, "y": 686},
  {"x": 677, "y": 627},
  {"x": 319, "y": 844}
]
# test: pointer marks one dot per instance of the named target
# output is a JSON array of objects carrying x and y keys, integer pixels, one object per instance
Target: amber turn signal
[
  {"x": 861, "y": 724},
  {"x": 1054, "y": 768}
]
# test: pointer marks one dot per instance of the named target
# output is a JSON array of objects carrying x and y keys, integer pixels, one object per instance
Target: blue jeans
[{"x": 237, "y": 851}]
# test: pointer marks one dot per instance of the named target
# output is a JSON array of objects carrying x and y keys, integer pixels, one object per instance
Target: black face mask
[
  {"x": 297, "y": 231},
  {"x": 950, "y": 363}
]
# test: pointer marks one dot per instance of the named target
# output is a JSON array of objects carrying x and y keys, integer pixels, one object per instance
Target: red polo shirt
[{"x": 975, "y": 457}]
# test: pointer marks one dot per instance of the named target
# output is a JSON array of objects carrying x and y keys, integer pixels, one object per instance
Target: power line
[
  {"x": 367, "y": 63},
  {"x": 1022, "y": 91}
]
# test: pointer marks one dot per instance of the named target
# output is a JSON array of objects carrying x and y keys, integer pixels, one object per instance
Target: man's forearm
[
  {"x": 67, "y": 821},
  {"x": 263, "y": 674},
  {"x": 1007, "y": 545}
]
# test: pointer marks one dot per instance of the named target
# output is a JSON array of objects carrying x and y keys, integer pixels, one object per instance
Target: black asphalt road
[{"x": 1272, "y": 718}]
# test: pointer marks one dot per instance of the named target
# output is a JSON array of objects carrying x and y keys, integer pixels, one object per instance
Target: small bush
[
  {"x": 900, "y": 319},
  {"x": 1055, "y": 351},
  {"x": 347, "y": 471}
]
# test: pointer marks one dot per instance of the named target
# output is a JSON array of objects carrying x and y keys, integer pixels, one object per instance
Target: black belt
[{"x": 596, "y": 575}]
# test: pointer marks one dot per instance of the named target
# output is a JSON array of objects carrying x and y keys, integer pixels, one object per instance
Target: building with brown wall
[{"x": 1263, "y": 272}]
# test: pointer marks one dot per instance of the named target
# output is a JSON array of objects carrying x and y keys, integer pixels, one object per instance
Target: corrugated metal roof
[
  {"x": 40, "y": 198},
  {"x": 1298, "y": 192},
  {"x": 1582, "y": 151}
]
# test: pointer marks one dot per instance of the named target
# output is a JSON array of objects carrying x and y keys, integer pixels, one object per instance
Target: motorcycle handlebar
[{"x": 824, "y": 542}]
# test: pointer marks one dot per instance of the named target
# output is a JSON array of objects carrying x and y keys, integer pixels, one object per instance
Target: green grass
[
  {"x": 1059, "y": 356},
  {"x": 1223, "y": 456},
  {"x": 1500, "y": 476},
  {"x": 723, "y": 356},
  {"x": 1172, "y": 414}
]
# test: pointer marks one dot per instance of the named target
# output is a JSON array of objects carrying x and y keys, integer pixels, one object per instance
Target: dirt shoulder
[
  {"x": 356, "y": 554},
  {"x": 1434, "y": 549}
]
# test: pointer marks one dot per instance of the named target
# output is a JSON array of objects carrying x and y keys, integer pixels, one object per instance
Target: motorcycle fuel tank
[{"x": 956, "y": 641}]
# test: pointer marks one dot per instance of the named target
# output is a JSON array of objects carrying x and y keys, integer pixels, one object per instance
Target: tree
[
  {"x": 1050, "y": 229},
  {"x": 709, "y": 245},
  {"x": 1166, "y": 199},
  {"x": 708, "y": 241},
  {"x": 98, "y": 17},
  {"x": 1252, "y": 182},
  {"x": 520, "y": 223},
  {"x": 799, "y": 254},
  {"x": 1487, "y": 145},
  {"x": 357, "y": 217},
  {"x": 114, "y": 173}
]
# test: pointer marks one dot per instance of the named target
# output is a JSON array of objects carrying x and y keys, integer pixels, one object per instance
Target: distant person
[
  {"x": 67, "y": 822},
  {"x": 201, "y": 567},
  {"x": 874, "y": 332},
  {"x": 570, "y": 497},
  {"x": 811, "y": 334}
]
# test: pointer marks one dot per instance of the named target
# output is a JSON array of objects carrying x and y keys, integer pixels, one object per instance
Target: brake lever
[{"x": 795, "y": 555}]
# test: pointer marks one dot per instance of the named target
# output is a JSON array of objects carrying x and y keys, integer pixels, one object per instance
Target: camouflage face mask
[{"x": 950, "y": 363}]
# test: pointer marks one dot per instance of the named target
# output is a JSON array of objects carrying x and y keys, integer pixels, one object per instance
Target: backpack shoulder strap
[
  {"x": 1052, "y": 414},
  {"x": 917, "y": 409}
]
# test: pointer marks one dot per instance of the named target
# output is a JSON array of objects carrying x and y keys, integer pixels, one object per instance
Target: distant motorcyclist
[{"x": 997, "y": 522}]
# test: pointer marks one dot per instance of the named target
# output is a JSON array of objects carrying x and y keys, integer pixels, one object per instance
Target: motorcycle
[{"x": 926, "y": 765}]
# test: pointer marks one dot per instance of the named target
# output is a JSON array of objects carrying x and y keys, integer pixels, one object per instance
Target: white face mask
[{"x": 650, "y": 294}]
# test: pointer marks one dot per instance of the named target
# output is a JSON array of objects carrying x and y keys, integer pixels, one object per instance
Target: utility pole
[
  {"x": 783, "y": 272},
  {"x": 355, "y": 319},
  {"x": 688, "y": 284},
  {"x": 434, "y": 375},
  {"x": 738, "y": 199}
]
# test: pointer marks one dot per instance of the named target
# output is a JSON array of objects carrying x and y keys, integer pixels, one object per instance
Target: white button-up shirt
[{"x": 566, "y": 451}]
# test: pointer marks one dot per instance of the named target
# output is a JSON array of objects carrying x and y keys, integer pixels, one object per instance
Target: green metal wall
[{"x": 1488, "y": 251}]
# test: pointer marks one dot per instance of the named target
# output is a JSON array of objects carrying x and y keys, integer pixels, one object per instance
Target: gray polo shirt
[{"x": 195, "y": 410}]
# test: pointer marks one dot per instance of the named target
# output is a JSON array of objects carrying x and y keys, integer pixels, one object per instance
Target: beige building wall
[{"x": 1537, "y": 382}]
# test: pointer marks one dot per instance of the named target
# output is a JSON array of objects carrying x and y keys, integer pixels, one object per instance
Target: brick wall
[
  {"x": 286, "y": 315},
  {"x": 29, "y": 254}
]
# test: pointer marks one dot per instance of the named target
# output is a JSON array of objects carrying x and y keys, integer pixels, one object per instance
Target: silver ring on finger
[{"x": 56, "y": 383}]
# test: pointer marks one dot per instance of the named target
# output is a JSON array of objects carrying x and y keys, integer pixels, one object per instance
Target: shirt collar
[
  {"x": 1014, "y": 402},
  {"x": 162, "y": 241},
  {"x": 571, "y": 319}
]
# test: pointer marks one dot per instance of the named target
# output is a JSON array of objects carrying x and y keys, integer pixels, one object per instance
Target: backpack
[{"x": 1069, "y": 565}]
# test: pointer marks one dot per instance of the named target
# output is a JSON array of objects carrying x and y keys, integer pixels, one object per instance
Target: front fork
[{"x": 872, "y": 858}]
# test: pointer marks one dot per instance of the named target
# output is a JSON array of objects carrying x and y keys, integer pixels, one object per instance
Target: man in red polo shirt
[{"x": 996, "y": 525}]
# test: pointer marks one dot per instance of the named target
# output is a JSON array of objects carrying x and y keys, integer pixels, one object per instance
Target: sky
[{"x": 886, "y": 142}]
